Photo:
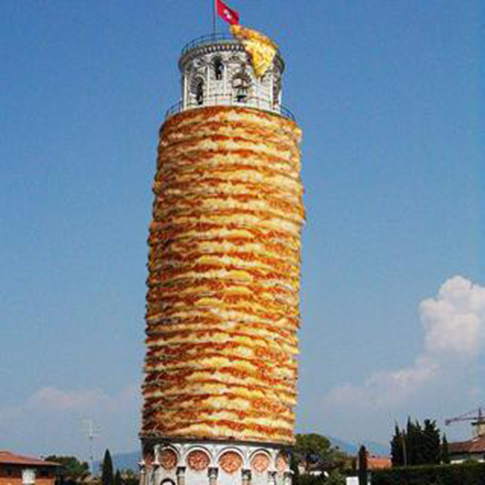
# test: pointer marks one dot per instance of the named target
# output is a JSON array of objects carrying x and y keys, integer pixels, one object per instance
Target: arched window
[
  {"x": 218, "y": 69},
  {"x": 199, "y": 92},
  {"x": 276, "y": 92},
  {"x": 241, "y": 85},
  {"x": 167, "y": 481}
]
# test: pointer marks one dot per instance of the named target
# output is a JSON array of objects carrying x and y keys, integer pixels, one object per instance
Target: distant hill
[
  {"x": 122, "y": 461},
  {"x": 352, "y": 448},
  {"x": 129, "y": 461}
]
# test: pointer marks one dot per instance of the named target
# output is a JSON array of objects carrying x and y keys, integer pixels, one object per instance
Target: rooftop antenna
[{"x": 90, "y": 430}]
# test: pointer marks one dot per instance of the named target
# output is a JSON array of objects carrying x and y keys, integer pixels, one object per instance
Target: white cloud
[
  {"x": 49, "y": 421},
  {"x": 454, "y": 321},
  {"x": 384, "y": 389},
  {"x": 454, "y": 327},
  {"x": 52, "y": 398}
]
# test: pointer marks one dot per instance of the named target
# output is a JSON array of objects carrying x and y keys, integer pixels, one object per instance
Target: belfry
[{"x": 222, "y": 307}]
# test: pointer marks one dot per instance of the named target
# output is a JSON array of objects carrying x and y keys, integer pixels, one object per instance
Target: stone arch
[
  {"x": 218, "y": 68},
  {"x": 194, "y": 458},
  {"x": 260, "y": 460},
  {"x": 282, "y": 461},
  {"x": 234, "y": 458},
  {"x": 276, "y": 92},
  {"x": 168, "y": 457},
  {"x": 198, "y": 88},
  {"x": 241, "y": 84}
]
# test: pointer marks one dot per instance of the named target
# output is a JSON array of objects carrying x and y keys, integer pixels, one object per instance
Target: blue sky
[{"x": 389, "y": 97}]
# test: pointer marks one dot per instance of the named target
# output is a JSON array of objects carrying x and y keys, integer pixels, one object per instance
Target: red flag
[{"x": 227, "y": 14}]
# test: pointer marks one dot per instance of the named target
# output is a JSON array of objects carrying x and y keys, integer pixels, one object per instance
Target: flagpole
[{"x": 213, "y": 16}]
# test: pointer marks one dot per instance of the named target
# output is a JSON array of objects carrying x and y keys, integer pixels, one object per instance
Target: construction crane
[{"x": 476, "y": 418}]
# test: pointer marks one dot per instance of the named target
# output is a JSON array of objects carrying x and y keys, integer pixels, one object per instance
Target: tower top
[{"x": 216, "y": 71}]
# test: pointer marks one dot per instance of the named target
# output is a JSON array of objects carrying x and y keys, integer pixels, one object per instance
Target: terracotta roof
[
  {"x": 8, "y": 458},
  {"x": 476, "y": 445},
  {"x": 375, "y": 462}
]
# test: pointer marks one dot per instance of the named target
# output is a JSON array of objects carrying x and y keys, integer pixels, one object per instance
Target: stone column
[
  {"x": 142, "y": 469},
  {"x": 246, "y": 477},
  {"x": 225, "y": 76},
  {"x": 181, "y": 475},
  {"x": 155, "y": 472},
  {"x": 272, "y": 478},
  {"x": 185, "y": 91},
  {"x": 288, "y": 478},
  {"x": 213, "y": 472}
]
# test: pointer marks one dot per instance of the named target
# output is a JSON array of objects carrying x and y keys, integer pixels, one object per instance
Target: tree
[
  {"x": 431, "y": 443},
  {"x": 397, "y": 447},
  {"x": 335, "y": 478},
  {"x": 445, "y": 452},
  {"x": 117, "y": 479},
  {"x": 362, "y": 466},
  {"x": 107, "y": 476},
  {"x": 73, "y": 471},
  {"x": 294, "y": 468},
  {"x": 414, "y": 443},
  {"x": 417, "y": 445},
  {"x": 314, "y": 450},
  {"x": 129, "y": 477}
]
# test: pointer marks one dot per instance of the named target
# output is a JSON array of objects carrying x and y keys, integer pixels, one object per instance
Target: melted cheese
[{"x": 223, "y": 278}]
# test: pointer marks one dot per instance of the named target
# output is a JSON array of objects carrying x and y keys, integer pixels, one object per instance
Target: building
[
  {"x": 377, "y": 462},
  {"x": 473, "y": 449},
  {"x": 223, "y": 277},
  {"x": 25, "y": 470}
]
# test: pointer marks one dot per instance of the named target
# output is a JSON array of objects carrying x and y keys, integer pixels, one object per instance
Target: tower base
[{"x": 179, "y": 462}]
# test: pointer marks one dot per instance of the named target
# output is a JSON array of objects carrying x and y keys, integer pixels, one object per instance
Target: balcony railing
[
  {"x": 249, "y": 102},
  {"x": 208, "y": 39},
  {"x": 212, "y": 39}
]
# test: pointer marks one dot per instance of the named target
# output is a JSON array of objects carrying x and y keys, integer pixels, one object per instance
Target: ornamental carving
[
  {"x": 230, "y": 462},
  {"x": 281, "y": 463},
  {"x": 198, "y": 460},
  {"x": 260, "y": 462},
  {"x": 168, "y": 459}
]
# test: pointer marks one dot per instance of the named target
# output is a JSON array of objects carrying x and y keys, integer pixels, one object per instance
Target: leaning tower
[{"x": 223, "y": 277}]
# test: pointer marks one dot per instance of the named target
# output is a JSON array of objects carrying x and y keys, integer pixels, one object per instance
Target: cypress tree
[
  {"x": 117, "y": 480},
  {"x": 295, "y": 469},
  {"x": 445, "y": 452},
  {"x": 107, "y": 476},
  {"x": 431, "y": 445},
  {"x": 397, "y": 447},
  {"x": 362, "y": 472},
  {"x": 410, "y": 443}
]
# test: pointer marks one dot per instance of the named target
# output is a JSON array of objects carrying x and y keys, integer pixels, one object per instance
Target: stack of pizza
[{"x": 223, "y": 283}]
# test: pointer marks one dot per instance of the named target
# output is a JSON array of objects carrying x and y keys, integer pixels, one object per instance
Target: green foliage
[
  {"x": 130, "y": 479},
  {"x": 294, "y": 468},
  {"x": 445, "y": 452},
  {"x": 362, "y": 468},
  {"x": 309, "y": 480},
  {"x": 117, "y": 478},
  {"x": 469, "y": 474},
  {"x": 412, "y": 449},
  {"x": 72, "y": 471},
  {"x": 397, "y": 447},
  {"x": 314, "y": 450},
  {"x": 416, "y": 445},
  {"x": 431, "y": 443},
  {"x": 335, "y": 478},
  {"x": 107, "y": 474}
]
